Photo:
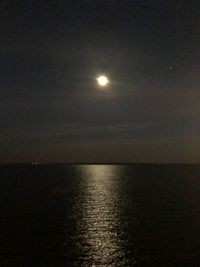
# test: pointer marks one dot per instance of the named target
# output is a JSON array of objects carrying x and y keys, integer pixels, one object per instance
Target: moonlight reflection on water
[{"x": 101, "y": 217}]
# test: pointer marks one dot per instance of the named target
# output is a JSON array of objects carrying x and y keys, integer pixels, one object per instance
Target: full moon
[{"x": 102, "y": 80}]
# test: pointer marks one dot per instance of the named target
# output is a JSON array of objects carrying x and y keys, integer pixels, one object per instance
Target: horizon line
[{"x": 37, "y": 163}]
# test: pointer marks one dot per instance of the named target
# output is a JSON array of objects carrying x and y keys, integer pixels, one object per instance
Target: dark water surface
[{"x": 99, "y": 215}]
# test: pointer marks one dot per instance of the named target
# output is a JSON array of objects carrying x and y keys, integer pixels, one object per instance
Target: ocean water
[{"x": 99, "y": 215}]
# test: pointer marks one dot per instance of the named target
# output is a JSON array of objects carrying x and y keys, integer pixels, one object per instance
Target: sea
[{"x": 61, "y": 215}]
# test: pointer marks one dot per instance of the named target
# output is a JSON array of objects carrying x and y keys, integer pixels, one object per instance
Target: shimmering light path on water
[
  {"x": 99, "y": 215},
  {"x": 100, "y": 227}
]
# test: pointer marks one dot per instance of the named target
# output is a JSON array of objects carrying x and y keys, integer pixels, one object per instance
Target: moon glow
[{"x": 102, "y": 80}]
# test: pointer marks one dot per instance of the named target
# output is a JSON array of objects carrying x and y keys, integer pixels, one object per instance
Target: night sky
[{"x": 51, "y": 108}]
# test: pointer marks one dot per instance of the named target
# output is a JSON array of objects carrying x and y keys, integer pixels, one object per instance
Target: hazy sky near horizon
[{"x": 51, "y": 108}]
